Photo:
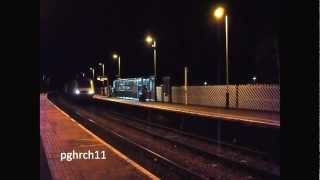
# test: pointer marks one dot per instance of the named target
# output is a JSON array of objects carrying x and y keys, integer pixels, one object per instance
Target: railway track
[
  {"x": 238, "y": 163},
  {"x": 242, "y": 149},
  {"x": 159, "y": 163},
  {"x": 265, "y": 142},
  {"x": 161, "y": 166}
]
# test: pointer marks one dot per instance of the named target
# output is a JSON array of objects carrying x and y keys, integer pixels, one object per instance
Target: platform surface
[
  {"x": 246, "y": 116},
  {"x": 61, "y": 134}
]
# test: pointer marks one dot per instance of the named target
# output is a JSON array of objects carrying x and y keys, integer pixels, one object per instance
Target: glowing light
[
  {"x": 219, "y": 12},
  {"x": 205, "y": 83},
  {"x": 149, "y": 39},
  {"x": 76, "y": 91},
  {"x": 92, "y": 85},
  {"x": 115, "y": 56},
  {"x": 91, "y": 91}
]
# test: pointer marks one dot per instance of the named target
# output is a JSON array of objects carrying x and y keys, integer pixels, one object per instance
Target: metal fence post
[{"x": 186, "y": 85}]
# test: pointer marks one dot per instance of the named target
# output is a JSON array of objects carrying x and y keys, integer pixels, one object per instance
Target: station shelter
[{"x": 131, "y": 88}]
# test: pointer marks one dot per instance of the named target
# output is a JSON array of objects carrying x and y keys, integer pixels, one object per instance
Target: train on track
[
  {"x": 80, "y": 88},
  {"x": 141, "y": 88}
]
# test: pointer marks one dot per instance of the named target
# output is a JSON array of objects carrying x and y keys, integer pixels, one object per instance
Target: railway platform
[
  {"x": 64, "y": 140},
  {"x": 271, "y": 119}
]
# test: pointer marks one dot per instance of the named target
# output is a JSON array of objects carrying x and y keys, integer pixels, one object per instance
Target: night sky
[{"x": 78, "y": 34}]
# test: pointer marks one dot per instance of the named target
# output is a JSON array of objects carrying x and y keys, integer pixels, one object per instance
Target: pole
[
  {"x": 119, "y": 66},
  {"x": 93, "y": 74},
  {"x": 155, "y": 69},
  {"x": 227, "y": 63},
  {"x": 186, "y": 85},
  {"x": 103, "y": 86},
  {"x": 103, "y": 70}
]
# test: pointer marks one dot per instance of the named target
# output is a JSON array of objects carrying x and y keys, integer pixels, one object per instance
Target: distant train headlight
[
  {"x": 77, "y": 91},
  {"x": 91, "y": 91}
]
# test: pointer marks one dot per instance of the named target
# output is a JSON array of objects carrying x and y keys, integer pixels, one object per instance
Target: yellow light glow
[
  {"x": 115, "y": 56},
  {"x": 92, "y": 85},
  {"x": 219, "y": 12},
  {"x": 91, "y": 91},
  {"x": 149, "y": 39}
]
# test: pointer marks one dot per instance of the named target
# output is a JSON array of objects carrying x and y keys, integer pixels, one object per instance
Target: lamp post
[
  {"x": 254, "y": 78},
  {"x": 116, "y": 56},
  {"x": 83, "y": 74},
  {"x": 103, "y": 87},
  {"x": 101, "y": 64},
  {"x": 92, "y": 69},
  {"x": 219, "y": 13},
  {"x": 153, "y": 43}
]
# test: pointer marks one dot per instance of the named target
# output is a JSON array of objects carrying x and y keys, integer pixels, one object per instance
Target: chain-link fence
[{"x": 262, "y": 97}]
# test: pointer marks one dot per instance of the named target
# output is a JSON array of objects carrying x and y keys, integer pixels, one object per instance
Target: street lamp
[
  {"x": 92, "y": 69},
  {"x": 116, "y": 56},
  {"x": 254, "y": 78},
  {"x": 218, "y": 14},
  {"x": 103, "y": 91},
  {"x": 101, "y": 64},
  {"x": 153, "y": 43},
  {"x": 83, "y": 74}
]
